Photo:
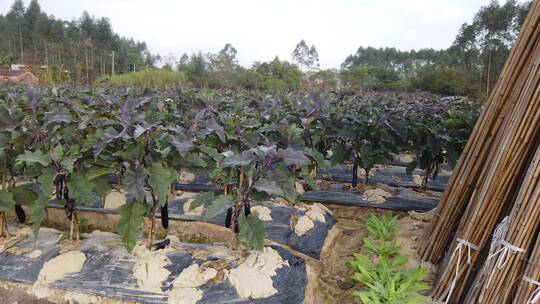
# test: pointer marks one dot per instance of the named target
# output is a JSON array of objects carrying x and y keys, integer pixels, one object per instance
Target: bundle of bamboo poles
[
  {"x": 474, "y": 159},
  {"x": 486, "y": 184},
  {"x": 506, "y": 260},
  {"x": 528, "y": 290},
  {"x": 497, "y": 186}
]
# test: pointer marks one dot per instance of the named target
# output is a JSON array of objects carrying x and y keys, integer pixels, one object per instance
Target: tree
[
  {"x": 6, "y": 59},
  {"x": 33, "y": 26},
  {"x": 228, "y": 54},
  {"x": 169, "y": 61},
  {"x": 15, "y": 19},
  {"x": 325, "y": 80},
  {"x": 81, "y": 47},
  {"x": 314, "y": 57},
  {"x": 464, "y": 47},
  {"x": 373, "y": 78},
  {"x": 307, "y": 58},
  {"x": 183, "y": 62},
  {"x": 277, "y": 75},
  {"x": 197, "y": 69},
  {"x": 223, "y": 68}
]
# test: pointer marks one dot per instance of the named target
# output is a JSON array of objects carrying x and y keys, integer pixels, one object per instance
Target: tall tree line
[
  {"x": 221, "y": 70},
  {"x": 79, "y": 50},
  {"x": 470, "y": 66}
]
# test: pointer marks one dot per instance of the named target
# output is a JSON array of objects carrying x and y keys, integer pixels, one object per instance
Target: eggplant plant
[
  {"x": 363, "y": 138},
  {"x": 11, "y": 145},
  {"x": 434, "y": 140},
  {"x": 263, "y": 169},
  {"x": 77, "y": 144}
]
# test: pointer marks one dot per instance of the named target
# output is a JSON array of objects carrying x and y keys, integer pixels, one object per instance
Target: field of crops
[{"x": 253, "y": 145}]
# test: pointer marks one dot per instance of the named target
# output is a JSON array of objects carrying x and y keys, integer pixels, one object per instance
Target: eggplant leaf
[
  {"x": 218, "y": 205},
  {"x": 81, "y": 190},
  {"x": 160, "y": 178},
  {"x": 7, "y": 202},
  {"x": 252, "y": 232},
  {"x": 34, "y": 157},
  {"x": 131, "y": 222}
]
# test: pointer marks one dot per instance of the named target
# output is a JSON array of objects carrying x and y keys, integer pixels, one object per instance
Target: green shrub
[
  {"x": 383, "y": 228},
  {"x": 375, "y": 78},
  {"x": 382, "y": 276},
  {"x": 156, "y": 78}
]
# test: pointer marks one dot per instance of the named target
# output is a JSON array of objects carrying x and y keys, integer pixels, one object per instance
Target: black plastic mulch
[{"x": 108, "y": 271}]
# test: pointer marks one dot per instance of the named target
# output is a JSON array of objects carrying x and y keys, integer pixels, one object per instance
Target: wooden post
[
  {"x": 72, "y": 226},
  {"x": 21, "y": 45},
  {"x": 152, "y": 223},
  {"x": 2, "y": 225},
  {"x": 46, "y": 58},
  {"x": 366, "y": 176},
  {"x": 313, "y": 172},
  {"x": 112, "y": 64},
  {"x": 86, "y": 59},
  {"x": 3, "y": 222},
  {"x": 76, "y": 222}
]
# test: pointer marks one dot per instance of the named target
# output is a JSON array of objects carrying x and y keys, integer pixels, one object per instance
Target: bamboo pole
[
  {"x": 76, "y": 221},
  {"x": 72, "y": 226},
  {"x": 150, "y": 238},
  {"x": 2, "y": 225},
  {"x": 3, "y": 221}
]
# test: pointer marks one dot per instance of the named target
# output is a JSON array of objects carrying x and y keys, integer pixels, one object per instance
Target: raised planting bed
[
  {"x": 207, "y": 273},
  {"x": 393, "y": 175},
  {"x": 285, "y": 224},
  {"x": 390, "y": 175}
]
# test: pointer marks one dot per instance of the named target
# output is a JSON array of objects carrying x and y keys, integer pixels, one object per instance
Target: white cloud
[{"x": 262, "y": 29}]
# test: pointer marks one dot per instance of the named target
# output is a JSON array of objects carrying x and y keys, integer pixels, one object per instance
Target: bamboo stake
[
  {"x": 72, "y": 226},
  {"x": 2, "y": 225},
  {"x": 150, "y": 237},
  {"x": 76, "y": 221},
  {"x": 3, "y": 221}
]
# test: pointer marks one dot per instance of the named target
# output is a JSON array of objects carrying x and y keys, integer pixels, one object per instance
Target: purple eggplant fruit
[
  {"x": 21, "y": 215},
  {"x": 247, "y": 209},
  {"x": 162, "y": 245},
  {"x": 228, "y": 218},
  {"x": 59, "y": 184},
  {"x": 165, "y": 215}
]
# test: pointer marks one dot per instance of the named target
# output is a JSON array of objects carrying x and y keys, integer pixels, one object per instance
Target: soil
[{"x": 18, "y": 296}]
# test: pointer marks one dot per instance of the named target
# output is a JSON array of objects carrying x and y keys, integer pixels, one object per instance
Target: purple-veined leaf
[
  {"x": 293, "y": 157},
  {"x": 243, "y": 159}
]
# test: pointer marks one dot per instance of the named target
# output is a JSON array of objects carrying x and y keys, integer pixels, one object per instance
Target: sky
[{"x": 262, "y": 29}]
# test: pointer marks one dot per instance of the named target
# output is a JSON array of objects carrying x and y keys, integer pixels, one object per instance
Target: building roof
[{"x": 11, "y": 73}]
